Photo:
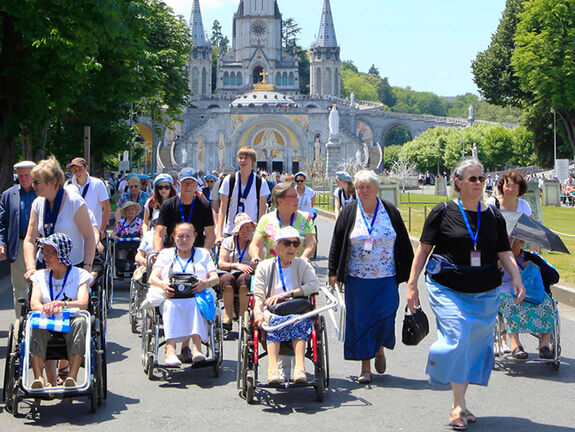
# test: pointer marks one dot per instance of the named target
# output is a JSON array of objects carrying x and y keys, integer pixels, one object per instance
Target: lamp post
[
  {"x": 462, "y": 148},
  {"x": 554, "y": 140}
]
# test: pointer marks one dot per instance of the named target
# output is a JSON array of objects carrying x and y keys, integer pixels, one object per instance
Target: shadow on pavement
[
  {"x": 184, "y": 377},
  {"x": 515, "y": 424},
  {"x": 538, "y": 370},
  {"x": 115, "y": 352}
]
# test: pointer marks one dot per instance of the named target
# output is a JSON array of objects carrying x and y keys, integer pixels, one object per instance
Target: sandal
[
  {"x": 365, "y": 377},
  {"x": 380, "y": 364},
  {"x": 459, "y": 422},
  {"x": 470, "y": 417}
]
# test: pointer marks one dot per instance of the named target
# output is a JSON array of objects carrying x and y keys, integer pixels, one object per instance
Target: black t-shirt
[
  {"x": 170, "y": 216},
  {"x": 445, "y": 229}
]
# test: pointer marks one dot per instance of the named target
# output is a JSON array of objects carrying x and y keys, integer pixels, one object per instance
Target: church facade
[{"x": 257, "y": 103}]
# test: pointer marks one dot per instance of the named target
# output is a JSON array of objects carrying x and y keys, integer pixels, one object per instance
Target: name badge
[
  {"x": 475, "y": 259},
  {"x": 241, "y": 207},
  {"x": 368, "y": 245}
]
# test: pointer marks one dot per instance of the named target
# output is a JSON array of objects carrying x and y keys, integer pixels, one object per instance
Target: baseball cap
[{"x": 188, "y": 173}]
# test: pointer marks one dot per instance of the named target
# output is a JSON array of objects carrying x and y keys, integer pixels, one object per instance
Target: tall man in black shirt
[{"x": 187, "y": 206}]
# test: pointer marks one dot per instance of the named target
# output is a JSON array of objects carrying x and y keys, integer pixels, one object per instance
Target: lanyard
[
  {"x": 50, "y": 217},
  {"x": 244, "y": 194},
  {"x": 241, "y": 253},
  {"x": 191, "y": 210},
  {"x": 124, "y": 225},
  {"x": 86, "y": 187},
  {"x": 290, "y": 222},
  {"x": 137, "y": 198},
  {"x": 301, "y": 199},
  {"x": 469, "y": 230},
  {"x": 344, "y": 196},
  {"x": 190, "y": 260},
  {"x": 369, "y": 228},
  {"x": 63, "y": 284},
  {"x": 282, "y": 276}
]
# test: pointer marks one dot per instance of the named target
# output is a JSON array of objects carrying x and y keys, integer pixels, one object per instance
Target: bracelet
[{"x": 88, "y": 265}]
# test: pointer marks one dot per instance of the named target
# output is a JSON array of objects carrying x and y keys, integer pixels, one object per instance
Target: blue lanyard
[
  {"x": 190, "y": 260},
  {"x": 469, "y": 230},
  {"x": 282, "y": 276},
  {"x": 137, "y": 200},
  {"x": 63, "y": 284},
  {"x": 124, "y": 225},
  {"x": 244, "y": 194},
  {"x": 191, "y": 210},
  {"x": 51, "y": 216},
  {"x": 369, "y": 228},
  {"x": 87, "y": 186},
  {"x": 241, "y": 253},
  {"x": 280, "y": 221}
]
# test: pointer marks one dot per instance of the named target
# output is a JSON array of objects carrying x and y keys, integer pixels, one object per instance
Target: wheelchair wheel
[
  {"x": 94, "y": 398},
  {"x": 146, "y": 338},
  {"x": 8, "y": 369},
  {"x": 218, "y": 348},
  {"x": 250, "y": 389},
  {"x": 244, "y": 351},
  {"x": 324, "y": 359},
  {"x": 240, "y": 363},
  {"x": 133, "y": 308},
  {"x": 316, "y": 243}
]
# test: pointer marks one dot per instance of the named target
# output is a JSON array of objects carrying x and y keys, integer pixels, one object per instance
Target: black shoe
[
  {"x": 228, "y": 325},
  {"x": 546, "y": 353},
  {"x": 519, "y": 353}
]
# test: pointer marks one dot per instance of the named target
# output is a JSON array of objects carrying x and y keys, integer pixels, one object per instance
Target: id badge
[
  {"x": 368, "y": 245},
  {"x": 475, "y": 259},
  {"x": 241, "y": 207}
]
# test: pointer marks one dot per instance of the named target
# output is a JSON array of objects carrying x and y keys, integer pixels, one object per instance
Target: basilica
[{"x": 257, "y": 102}]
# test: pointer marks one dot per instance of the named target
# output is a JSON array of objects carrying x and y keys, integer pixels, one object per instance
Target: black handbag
[
  {"x": 183, "y": 285},
  {"x": 296, "y": 306},
  {"x": 415, "y": 327}
]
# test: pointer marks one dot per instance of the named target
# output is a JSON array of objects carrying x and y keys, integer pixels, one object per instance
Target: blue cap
[
  {"x": 206, "y": 304},
  {"x": 210, "y": 176},
  {"x": 300, "y": 174},
  {"x": 163, "y": 178},
  {"x": 342, "y": 175},
  {"x": 188, "y": 173}
]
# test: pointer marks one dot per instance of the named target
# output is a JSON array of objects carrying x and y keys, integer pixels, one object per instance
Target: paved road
[{"x": 524, "y": 397}]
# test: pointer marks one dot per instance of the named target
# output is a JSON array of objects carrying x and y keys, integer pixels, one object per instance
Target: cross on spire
[{"x": 264, "y": 75}]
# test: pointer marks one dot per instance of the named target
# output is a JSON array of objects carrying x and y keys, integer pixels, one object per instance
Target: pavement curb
[{"x": 562, "y": 292}]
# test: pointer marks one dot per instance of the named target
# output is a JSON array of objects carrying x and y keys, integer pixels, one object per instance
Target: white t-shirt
[
  {"x": 76, "y": 278},
  {"x": 522, "y": 206},
  {"x": 65, "y": 222},
  {"x": 304, "y": 200},
  {"x": 147, "y": 242},
  {"x": 250, "y": 203},
  {"x": 201, "y": 265},
  {"x": 278, "y": 288},
  {"x": 96, "y": 194},
  {"x": 339, "y": 193}
]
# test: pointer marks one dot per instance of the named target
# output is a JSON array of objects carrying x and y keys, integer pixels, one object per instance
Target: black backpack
[{"x": 231, "y": 191}]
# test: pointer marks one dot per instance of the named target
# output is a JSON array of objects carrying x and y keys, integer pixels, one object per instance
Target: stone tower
[
  {"x": 200, "y": 67},
  {"x": 325, "y": 67}
]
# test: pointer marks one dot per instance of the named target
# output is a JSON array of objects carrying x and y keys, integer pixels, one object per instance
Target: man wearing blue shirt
[{"x": 15, "y": 208}]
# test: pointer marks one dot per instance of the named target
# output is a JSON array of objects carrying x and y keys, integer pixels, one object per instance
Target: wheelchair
[
  {"x": 18, "y": 375},
  {"x": 138, "y": 289},
  {"x": 152, "y": 334},
  {"x": 124, "y": 267},
  {"x": 501, "y": 358},
  {"x": 317, "y": 351}
]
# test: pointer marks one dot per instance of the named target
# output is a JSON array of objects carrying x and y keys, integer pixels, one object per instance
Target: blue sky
[{"x": 424, "y": 44}]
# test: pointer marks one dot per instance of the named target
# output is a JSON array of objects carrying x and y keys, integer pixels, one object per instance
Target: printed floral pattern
[
  {"x": 524, "y": 317},
  {"x": 122, "y": 229},
  {"x": 269, "y": 225}
]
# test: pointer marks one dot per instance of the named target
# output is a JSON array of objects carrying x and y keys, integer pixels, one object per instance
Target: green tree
[
  {"x": 304, "y": 67},
  {"x": 391, "y": 154},
  {"x": 290, "y": 32},
  {"x": 355, "y": 83},
  {"x": 218, "y": 39},
  {"x": 544, "y": 58}
]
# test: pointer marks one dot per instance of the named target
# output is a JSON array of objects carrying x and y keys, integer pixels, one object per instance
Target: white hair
[
  {"x": 366, "y": 176},
  {"x": 462, "y": 167}
]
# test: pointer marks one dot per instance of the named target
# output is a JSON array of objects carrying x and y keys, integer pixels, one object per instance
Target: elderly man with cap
[
  {"x": 15, "y": 208},
  {"x": 188, "y": 207},
  {"x": 93, "y": 190}
]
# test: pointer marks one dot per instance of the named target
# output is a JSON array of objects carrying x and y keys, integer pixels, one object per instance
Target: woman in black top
[{"x": 467, "y": 238}]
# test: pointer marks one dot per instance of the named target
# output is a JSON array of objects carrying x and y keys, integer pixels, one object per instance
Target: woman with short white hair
[{"x": 371, "y": 253}]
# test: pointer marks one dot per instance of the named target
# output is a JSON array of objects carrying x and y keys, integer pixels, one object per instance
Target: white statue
[
  {"x": 352, "y": 100},
  {"x": 470, "y": 111},
  {"x": 333, "y": 124},
  {"x": 184, "y": 156},
  {"x": 474, "y": 151}
]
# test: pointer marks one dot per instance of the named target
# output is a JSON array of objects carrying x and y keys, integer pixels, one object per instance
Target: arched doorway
[
  {"x": 257, "y": 74},
  {"x": 397, "y": 135}
]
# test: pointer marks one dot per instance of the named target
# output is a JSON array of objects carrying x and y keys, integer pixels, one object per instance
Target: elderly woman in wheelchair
[
  {"x": 59, "y": 286},
  {"x": 536, "y": 316},
  {"x": 183, "y": 273},
  {"x": 276, "y": 281}
]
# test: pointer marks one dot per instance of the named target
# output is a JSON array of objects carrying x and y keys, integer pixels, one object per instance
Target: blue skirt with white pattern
[{"x": 300, "y": 330}]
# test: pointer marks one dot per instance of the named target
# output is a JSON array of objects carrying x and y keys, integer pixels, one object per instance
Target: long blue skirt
[
  {"x": 463, "y": 352},
  {"x": 371, "y": 306}
]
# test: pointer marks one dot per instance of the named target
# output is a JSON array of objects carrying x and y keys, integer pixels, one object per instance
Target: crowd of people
[{"x": 220, "y": 233}]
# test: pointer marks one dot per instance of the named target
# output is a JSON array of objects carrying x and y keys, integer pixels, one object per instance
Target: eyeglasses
[
  {"x": 294, "y": 243},
  {"x": 473, "y": 179},
  {"x": 300, "y": 181},
  {"x": 166, "y": 187},
  {"x": 211, "y": 181},
  {"x": 36, "y": 182}
]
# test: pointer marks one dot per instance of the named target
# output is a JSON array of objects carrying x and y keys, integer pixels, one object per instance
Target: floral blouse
[
  {"x": 379, "y": 262},
  {"x": 124, "y": 228},
  {"x": 269, "y": 225},
  {"x": 142, "y": 197}
]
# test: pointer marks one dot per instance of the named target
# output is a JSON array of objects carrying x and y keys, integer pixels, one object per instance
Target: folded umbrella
[{"x": 522, "y": 227}]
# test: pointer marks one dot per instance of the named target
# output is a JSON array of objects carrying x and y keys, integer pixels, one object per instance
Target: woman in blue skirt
[
  {"x": 467, "y": 238},
  {"x": 371, "y": 253}
]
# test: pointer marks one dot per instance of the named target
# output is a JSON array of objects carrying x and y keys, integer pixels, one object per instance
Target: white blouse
[{"x": 69, "y": 292}]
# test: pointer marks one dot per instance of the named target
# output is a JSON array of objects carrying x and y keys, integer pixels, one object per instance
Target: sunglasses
[
  {"x": 300, "y": 181},
  {"x": 473, "y": 179},
  {"x": 294, "y": 243},
  {"x": 36, "y": 182},
  {"x": 165, "y": 187},
  {"x": 211, "y": 181}
]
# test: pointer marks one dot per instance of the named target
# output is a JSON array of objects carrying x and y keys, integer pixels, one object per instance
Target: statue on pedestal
[{"x": 334, "y": 125}]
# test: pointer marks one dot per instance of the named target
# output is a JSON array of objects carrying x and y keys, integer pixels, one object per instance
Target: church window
[
  {"x": 318, "y": 88},
  {"x": 291, "y": 79},
  {"x": 204, "y": 81},
  {"x": 327, "y": 82},
  {"x": 226, "y": 78},
  {"x": 233, "y": 78},
  {"x": 278, "y": 79},
  {"x": 284, "y": 79},
  {"x": 257, "y": 77},
  {"x": 195, "y": 81},
  {"x": 239, "y": 78}
]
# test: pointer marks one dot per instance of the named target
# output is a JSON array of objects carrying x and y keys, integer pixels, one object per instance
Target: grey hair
[
  {"x": 462, "y": 167},
  {"x": 366, "y": 176},
  {"x": 280, "y": 190}
]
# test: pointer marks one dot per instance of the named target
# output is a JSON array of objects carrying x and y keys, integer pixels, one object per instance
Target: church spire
[
  {"x": 197, "y": 26},
  {"x": 326, "y": 36}
]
